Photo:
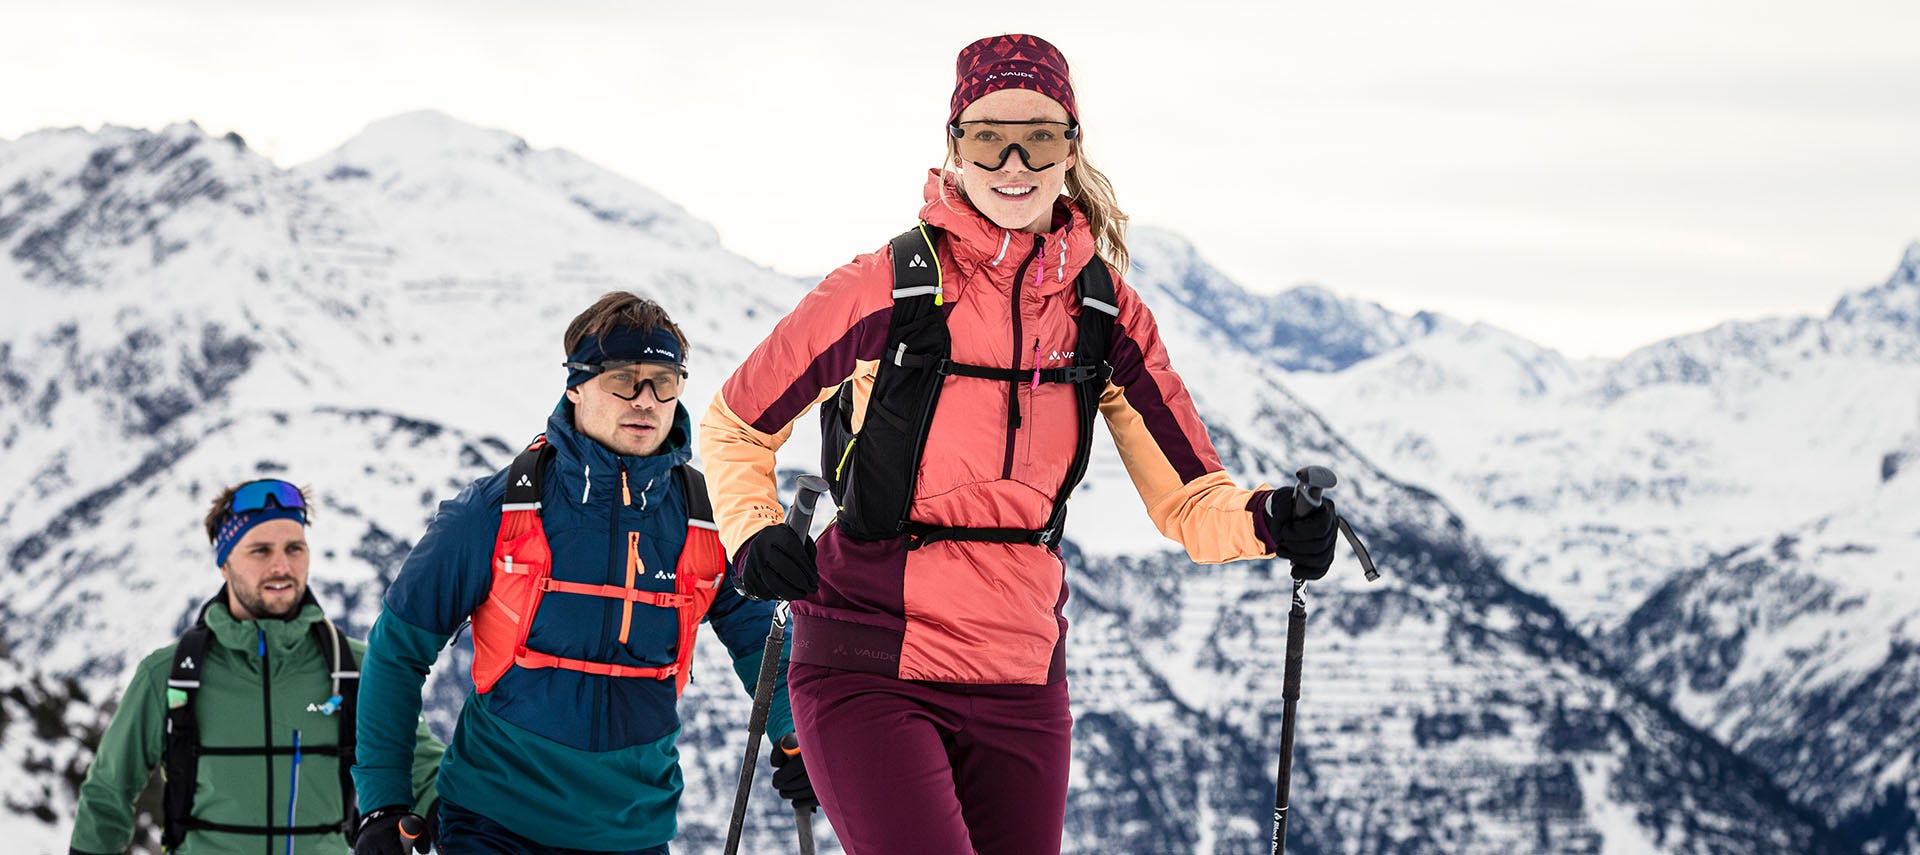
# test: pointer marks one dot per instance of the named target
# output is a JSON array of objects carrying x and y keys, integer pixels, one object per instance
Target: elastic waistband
[
  {"x": 846, "y": 645},
  {"x": 850, "y": 646}
]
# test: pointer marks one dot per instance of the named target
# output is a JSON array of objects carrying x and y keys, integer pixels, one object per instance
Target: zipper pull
[
  {"x": 633, "y": 570},
  {"x": 626, "y": 498},
  {"x": 262, "y": 633},
  {"x": 1036, "y": 365}
]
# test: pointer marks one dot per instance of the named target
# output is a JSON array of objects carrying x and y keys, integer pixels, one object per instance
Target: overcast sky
[{"x": 1594, "y": 176}]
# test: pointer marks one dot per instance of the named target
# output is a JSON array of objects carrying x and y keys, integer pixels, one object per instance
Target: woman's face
[{"x": 1014, "y": 196}]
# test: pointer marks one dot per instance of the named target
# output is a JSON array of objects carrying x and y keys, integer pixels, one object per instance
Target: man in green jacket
[{"x": 264, "y": 685}]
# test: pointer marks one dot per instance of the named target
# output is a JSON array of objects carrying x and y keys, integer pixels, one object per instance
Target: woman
[{"x": 928, "y": 677}]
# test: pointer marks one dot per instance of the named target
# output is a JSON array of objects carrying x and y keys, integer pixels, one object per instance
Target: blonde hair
[{"x": 1088, "y": 189}]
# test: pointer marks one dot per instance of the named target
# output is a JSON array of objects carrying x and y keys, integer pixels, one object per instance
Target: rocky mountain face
[
  {"x": 1729, "y": 515},
  {"x": 383, "y": 324}
]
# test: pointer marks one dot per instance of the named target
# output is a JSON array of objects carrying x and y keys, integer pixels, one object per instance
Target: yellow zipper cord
[
  {"x": 939, "y": 277},
  {"x": 839, "y": 471}
]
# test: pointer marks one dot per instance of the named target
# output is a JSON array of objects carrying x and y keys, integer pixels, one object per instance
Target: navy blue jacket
[{"x": 558, "y": 756}]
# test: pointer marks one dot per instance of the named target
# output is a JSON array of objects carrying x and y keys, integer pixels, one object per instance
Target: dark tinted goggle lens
[
  {"x": 626, "y": 381},
  {"x": 260, "y": 495},
  {"x": 989, "y": 145}
]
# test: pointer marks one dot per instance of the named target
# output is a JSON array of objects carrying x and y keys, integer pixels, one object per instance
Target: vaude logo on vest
[{"x": 1060, "y": 354}]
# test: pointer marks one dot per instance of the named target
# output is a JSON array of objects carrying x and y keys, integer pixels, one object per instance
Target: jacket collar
[
  {"x": 985, "y": 250},
  {"x": 586, "y": 472},
  {"x": 281, "y": 636}
]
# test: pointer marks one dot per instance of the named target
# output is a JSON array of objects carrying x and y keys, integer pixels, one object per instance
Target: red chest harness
[{"x": 522, "y": 576}]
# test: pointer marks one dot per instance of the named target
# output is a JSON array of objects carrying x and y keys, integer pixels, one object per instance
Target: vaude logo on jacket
[
  {"x": 917, "y": 261},
  {"x": 523, "y": 482},
  {"x": 186, "y": 663}
]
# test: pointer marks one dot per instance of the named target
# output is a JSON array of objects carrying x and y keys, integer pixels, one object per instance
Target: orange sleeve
[
  {"x": 1166, "y": 450},
  {"x": 836, "y": 331}
]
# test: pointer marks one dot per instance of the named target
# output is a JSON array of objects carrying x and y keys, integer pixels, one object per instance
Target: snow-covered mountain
[
  {"x": 383, "y": 324},
  {"x": 1597, "y": 480},
  {"x": 1306, "y": 328},
  {"x": 1732, "y": 512},
  {"x": 1799, "y": 652}
]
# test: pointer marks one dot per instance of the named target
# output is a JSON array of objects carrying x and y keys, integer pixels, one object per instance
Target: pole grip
[
  {"x": 1311, "y": 483},
  {"x": 411, "y": 827},
  {"x": 800, "y": 516}
]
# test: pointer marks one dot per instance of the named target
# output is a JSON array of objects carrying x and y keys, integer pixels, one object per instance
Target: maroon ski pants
[{"x": 934, "y": 768}]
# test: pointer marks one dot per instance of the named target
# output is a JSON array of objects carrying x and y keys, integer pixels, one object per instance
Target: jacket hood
[
  {"x": 584, "y": 469},
  {"x": 979, "y": 246}
]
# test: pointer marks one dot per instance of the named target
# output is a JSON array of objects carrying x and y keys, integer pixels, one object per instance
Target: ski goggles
[
  {"x": 624, "y": 380},
  {"x": 988, "y": 145},
  {"x": 265, "y": 494}
]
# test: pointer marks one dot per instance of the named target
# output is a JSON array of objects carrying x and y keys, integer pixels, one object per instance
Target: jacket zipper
[
  {"x": 600, "y": 639},
  {"x": 1013, "y": 386},
  {"x": 266, "y": 724}
]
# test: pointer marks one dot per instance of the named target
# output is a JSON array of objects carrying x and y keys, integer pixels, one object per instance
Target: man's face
[
  {"x": 266, "y": 572},
  {"x": 636, "y": 428}
]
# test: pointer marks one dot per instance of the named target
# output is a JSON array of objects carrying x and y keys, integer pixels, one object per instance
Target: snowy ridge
[
  {"x": 1725, "y": 510},
  {"x": 1303, "y": 329},
  {"x": 390, "y": 333}
]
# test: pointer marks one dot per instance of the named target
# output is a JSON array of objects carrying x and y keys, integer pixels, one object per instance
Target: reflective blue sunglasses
[{"x": 260, "y": 495}]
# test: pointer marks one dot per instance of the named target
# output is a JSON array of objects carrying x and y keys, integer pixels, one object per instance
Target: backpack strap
[
  {"x": 345, "y": 675},
  {"x": 916, "y": 265},
  {"x": 693, "y": 485},
  {"x": 180, "y": 751},
  {"x": 526, "y": 476},
  {"x": 874, "y": 487},
  {"x": 1098, "y": 310}
]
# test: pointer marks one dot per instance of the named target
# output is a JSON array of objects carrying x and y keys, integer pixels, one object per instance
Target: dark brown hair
[
  {"x": 616, "y": 309},
  {"x": 218, "y": 514}
]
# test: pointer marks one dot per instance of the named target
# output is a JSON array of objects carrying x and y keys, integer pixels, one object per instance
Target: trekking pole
[
  {"x": 800, "y": 517},
  {"x": 1313, "y": 482}
]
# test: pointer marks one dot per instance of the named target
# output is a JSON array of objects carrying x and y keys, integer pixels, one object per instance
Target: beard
[{"x": 255, "y": 602}]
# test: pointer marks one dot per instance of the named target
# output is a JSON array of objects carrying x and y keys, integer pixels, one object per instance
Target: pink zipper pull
[{"x": 1036, "y": 366}]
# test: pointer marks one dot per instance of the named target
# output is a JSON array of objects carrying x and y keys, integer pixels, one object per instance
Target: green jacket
[{"x": 233, "y": 790}]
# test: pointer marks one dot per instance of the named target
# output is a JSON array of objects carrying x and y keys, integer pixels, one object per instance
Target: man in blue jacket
[{"x": 585, "y": 568}]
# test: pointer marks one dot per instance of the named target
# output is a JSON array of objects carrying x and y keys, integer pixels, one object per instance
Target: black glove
[
  {"x": 380, "y": 831},
  {"x": 790, "y": 774},
  {"x": 1307, "y": 540},
  {"x": 776, "y": 563}
]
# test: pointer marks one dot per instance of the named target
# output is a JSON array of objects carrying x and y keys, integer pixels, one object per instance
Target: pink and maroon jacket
[{"x": 970, "y": 612}]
